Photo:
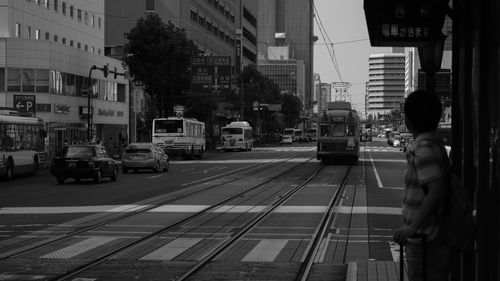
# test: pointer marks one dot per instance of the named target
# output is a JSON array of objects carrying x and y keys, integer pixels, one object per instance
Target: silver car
[{"x": 139, "y": 156}]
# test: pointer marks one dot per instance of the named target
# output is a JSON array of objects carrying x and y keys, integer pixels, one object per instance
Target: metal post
[{"x": 89, "y": 111}]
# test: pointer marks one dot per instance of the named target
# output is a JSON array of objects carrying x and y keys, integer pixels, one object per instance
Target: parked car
[
  {"x": 286, "y": 139},
  {"x": 81, "y": 161},
  {"x": 146, "y": 155}
]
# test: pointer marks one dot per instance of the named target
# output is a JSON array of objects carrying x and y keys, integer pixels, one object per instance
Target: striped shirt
[{"x": 424, "y": 161}]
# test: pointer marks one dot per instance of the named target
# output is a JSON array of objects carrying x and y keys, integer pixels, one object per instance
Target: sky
[{"x": 344, "y": 22}]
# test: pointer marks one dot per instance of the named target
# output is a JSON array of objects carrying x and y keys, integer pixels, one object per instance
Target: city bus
[
  {"x": 21, "y": 144},
  {"x": 338, "y": 137},
  {"x": 289, "y": 132},
  {"x": 237, "y": 136},
  {"x": 180, "y": 136}
]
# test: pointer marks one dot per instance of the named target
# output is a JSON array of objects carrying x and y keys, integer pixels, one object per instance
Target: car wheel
[
  {"x": 35, "y": 167},
  {"x": 98, "y": 176},
  {"x": 10, "y": 171},
  {"x": 60, "y": 180},
  {"x": 158, "y": 167},
  {"x": 167, "y": 166},
  {"x": 115, "y": 174}
]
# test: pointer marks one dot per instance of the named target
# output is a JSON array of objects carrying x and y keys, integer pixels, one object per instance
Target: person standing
[{"x": 424, "y": 193}]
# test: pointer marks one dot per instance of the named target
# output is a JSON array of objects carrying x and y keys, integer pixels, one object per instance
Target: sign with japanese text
[
  {"x": 404, "y": 22},
  {"x": 25, "y": 103},
  {"x": 211, "y": 75}
]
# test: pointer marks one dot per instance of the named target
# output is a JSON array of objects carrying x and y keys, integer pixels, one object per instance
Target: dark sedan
[{"x": 84, "y": 161}]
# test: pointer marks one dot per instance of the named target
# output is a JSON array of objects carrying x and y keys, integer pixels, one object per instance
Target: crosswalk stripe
[
  {"x": 266, "y": 250},
  {"x": 172, "y": 249},
  {"x": 78, "y": 248}
]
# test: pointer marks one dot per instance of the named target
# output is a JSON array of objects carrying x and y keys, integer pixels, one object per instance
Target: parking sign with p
[{"x": 25, "y": 103}]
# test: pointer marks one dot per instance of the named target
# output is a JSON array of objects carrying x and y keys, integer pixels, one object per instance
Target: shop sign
[
  {"x": 105, "y": 112},
  {"x": 62, "y": 108}
]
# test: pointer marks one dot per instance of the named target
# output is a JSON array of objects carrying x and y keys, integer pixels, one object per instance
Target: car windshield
[
  {"x": 137, "y": 150},
  {"x": 79, "y": 151}
]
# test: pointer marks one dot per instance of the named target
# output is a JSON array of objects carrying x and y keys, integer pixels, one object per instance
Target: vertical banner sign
[
  {"x": 25, "y": 103},
  {"x": 238, "y": 54}
]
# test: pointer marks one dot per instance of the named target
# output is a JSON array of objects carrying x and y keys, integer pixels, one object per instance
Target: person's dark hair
[{"x": 423, "y": 110}]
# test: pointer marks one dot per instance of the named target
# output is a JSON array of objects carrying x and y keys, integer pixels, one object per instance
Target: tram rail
[{"x": 111, "y": 218}]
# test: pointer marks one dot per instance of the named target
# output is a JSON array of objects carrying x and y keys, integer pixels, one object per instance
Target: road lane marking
[
  {"x": 78, "y": 248},
  {"x": 172, "y": 249},
  {"x": 379, "y": 182},
  {"x": 266, "y": 250},
  {"x": 194, "y": 209},
  {"x": 157, "y": 176},
  {"x": 21, "y": 277}
]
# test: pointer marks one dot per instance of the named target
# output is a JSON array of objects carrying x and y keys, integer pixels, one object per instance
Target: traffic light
[{"x": 105, "y": 70}]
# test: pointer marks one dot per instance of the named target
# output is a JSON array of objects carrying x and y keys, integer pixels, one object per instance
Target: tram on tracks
[{"x": 338, "y": 133}]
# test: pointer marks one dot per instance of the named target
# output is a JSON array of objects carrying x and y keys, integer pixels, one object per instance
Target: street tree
[
  {"x": 291, "y": 106},
  {"x": 159, "y": 56}
]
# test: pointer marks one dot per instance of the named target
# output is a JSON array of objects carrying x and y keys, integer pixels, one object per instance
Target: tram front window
[
  {"x": 350, "y": 130},
  {"x": 338, "y": 130}
]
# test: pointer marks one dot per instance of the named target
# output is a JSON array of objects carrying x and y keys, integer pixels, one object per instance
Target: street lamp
[
  {"x": 430, "y": 56},
  {"x": 89, "y": 111}
]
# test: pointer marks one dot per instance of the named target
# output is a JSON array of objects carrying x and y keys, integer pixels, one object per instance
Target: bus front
[
  {"x": 232, "y": 138},
  {"x": 168, "y": 133}
]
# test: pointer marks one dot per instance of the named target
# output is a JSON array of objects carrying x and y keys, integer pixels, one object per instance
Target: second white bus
[
  {"x": 237, "y": 136},
  {"x": 180, "y": 136}
]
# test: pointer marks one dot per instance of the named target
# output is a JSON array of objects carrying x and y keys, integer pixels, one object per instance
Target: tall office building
[
  {"x": 213, "y": 25},
  {"x": 289, "y": 23},
  {"x": 47, "y": 49},
  {"x": 386, "y": 85}
]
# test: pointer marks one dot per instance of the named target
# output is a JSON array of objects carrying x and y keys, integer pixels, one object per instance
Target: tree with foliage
[
  {"x": 159, "y": 55},
  {"x": 291, "y": 107}
]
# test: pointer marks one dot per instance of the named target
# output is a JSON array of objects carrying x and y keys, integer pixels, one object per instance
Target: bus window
[{"x": 168, "y": 126}]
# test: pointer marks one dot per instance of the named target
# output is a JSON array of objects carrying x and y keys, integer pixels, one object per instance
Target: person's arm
[{"x": 435, "y": 196}]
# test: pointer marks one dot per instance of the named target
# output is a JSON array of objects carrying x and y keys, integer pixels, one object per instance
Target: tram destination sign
[
  {"x": 211, "y": 75},
  {"x": 404, "y": 22}
]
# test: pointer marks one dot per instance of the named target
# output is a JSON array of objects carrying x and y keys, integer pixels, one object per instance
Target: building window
[
  {"x": 14, "y": 80},
  {"x": 56, "y": 38},
  {"x": 38, "y": 2},
  {"x": 71, "y": 43},
  {"x": 47, "y": 36},
  {"x": 28, "y": 80},
  {"x": 63, "y": 8},
  {"x": 92, "y": 50},
  {"x": 86, "y": 18},
  {"x": 56, "y": 5},
  {"x": 150, "y": 5},
  {"x": 194, "y": 15},
  {"x": 18, "y": 30},
  {"x": 71, "y": 11},
  {"x": 86, "y": 48},
  {"x": 64, "y": 41},
  {"x": 99, "y": 22},
  {"x": 99, "y": 51},
  {"x": 37, "y": 34},
  {"x": 28, "y": 32},
  {"x": 92, "y": 23},
  {"x": 79, "y": 45},
  {"x": 79, "y": 15},
  {"x": 2, "y": 79}
]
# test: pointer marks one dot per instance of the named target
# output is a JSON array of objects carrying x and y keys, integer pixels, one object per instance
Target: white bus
[
  {"x": 237, "y": 136},
  {"x": 180, "y": 136},
  {"x": 21, "y": 144},
  {"x": 289, "y": 132}
]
